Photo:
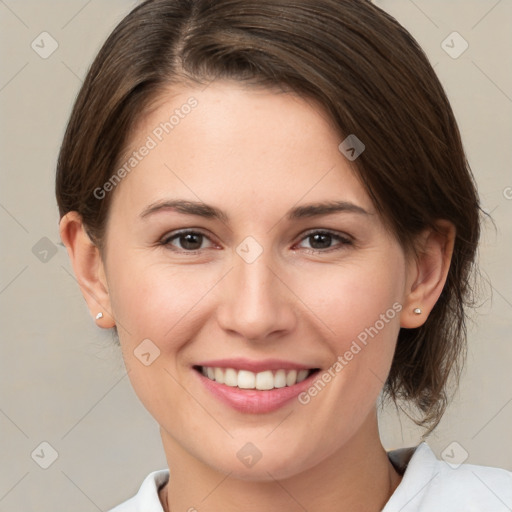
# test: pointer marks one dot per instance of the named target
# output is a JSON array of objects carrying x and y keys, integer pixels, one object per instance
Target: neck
[{"x": 356, "y": 477}]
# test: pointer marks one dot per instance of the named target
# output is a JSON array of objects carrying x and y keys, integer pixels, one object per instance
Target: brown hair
[{"x": 369, "y": 75}]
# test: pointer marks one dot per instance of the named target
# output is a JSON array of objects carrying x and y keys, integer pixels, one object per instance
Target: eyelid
[
  {"x": 343, "y": 238},
  {"x": 165, "y": 240},
  {"x": 338, "y": 234}
]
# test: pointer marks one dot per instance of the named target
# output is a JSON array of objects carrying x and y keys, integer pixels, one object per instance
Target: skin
[{"x": 255, "y": 154}]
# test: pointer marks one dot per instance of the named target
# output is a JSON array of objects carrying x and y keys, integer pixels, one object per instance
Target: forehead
[{"x": 236, "y": 144}]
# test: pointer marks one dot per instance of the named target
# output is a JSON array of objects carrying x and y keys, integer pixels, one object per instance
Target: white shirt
[{"x": 428, "y": 485}]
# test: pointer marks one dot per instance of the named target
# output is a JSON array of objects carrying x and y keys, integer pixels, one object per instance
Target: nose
[{"x": 256, "y": 302}]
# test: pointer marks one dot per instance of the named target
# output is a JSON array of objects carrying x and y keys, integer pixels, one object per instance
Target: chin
[{"x": 267, "y": 465}]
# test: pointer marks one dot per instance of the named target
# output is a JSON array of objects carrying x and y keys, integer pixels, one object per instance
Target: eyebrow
[{"x": 211, "y": 212}]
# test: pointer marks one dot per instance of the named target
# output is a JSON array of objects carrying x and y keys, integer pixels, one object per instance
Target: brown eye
[
  {"x": 186, "y": 241},
  {"x": 321, "y": 240}
]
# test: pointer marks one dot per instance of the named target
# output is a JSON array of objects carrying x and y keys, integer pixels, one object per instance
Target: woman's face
[{"x": 261, "y": 283}]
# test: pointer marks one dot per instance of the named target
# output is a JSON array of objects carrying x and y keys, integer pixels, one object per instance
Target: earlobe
[
  {"x": 88, "y": 267},
  {"x": 428, "y": 273}
]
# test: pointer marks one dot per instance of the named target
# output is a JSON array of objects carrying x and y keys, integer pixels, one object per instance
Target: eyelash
[{"x": 343, "y": 239}]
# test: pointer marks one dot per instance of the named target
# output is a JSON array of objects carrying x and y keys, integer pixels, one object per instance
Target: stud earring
[
  {"x": 99, "y": 315},
  {"x": 417, "y": 311}
]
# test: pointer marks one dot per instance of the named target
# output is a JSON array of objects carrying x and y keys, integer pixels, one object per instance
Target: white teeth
[
  {"x": 264, "y": 380},
  {"x": 230, "y": 377},
  {"x": 245, "y": 379},
  {"x": 219, "y": 375},
  {"x": 291, "y": 377},
  {"x": 280, "y": 379}
]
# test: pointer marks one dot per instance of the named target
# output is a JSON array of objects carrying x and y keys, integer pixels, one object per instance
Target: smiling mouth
[{"x": 261, "y": 381}]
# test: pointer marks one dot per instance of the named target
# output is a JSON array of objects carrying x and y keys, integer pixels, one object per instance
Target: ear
[
  {"x": 427, "y": 273},
  {"x": 88, "y": 267}
]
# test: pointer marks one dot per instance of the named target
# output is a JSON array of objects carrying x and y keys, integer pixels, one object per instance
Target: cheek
[
  {"x": 358, "y": 309},
  {"x": 152, "y": 301},
  {"x": 156, "y": 308},
  {"x": 350, "y": 300}
]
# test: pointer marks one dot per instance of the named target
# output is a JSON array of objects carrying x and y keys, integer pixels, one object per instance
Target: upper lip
[{"x": 255, "y": 366}]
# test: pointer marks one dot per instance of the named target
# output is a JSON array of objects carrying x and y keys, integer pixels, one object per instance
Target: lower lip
[{"x": 254, "y": 401}]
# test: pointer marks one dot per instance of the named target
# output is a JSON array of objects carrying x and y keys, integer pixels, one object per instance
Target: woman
[{"x": 270, "y": 204}]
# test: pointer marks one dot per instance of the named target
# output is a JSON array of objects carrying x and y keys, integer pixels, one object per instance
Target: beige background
[{"x": 62, "y": 380}]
